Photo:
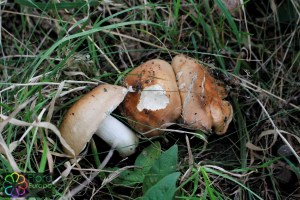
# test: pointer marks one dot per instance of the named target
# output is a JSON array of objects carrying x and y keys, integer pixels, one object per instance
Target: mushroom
[
  {"x": 91, "y": 115},
  {"x": 155, "y": 102},
  {"x": 202, "y": 96},
  {"x": 233, "y": 7}
]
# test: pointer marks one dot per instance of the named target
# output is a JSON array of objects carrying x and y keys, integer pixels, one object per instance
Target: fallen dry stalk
[
  {"x": 46, "y": 125},
  {"x": 3, "y": 146},
  {"x": 93, "y": 175},
  {"x": 277, "y": 131}
]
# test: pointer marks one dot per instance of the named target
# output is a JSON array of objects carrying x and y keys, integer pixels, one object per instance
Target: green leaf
[
  {"x": 148, "y": 156},
  {"x": 164, "y": 189},
  {"x": 144, "y": 161},
  {"x": 165, "y": 165}
]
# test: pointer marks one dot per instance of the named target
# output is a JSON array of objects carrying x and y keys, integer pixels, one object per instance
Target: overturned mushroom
[
  {"x": 91, "y": 115},
  {"x": 202, "y": 96},
  {"x": 155, "y": 102}
]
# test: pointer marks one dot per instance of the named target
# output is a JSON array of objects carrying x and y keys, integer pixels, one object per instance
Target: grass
[{"x": 53, "y": 53}]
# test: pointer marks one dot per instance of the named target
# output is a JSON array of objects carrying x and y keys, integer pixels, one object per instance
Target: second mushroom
[{"x": 155, "y": 102}]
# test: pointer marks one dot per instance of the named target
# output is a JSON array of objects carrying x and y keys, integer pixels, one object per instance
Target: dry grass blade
[
  {"x": 46, "y": 125},
  {"x": 270, "y": 132},
  {"x": 56, "y": 51},
  {"x": 177, "y": 131},
  {"x": 114, "y": 175},
  {"x": 16, "y": 143},
  {"x": 249, "y": 85},
  {"x": 278, "y": 132},
  {"x": 191, "y": 160},
  {"x": 51, "y": 108},
  {"x": 72, "y": 90},
  {"x": 93, "y": 175},
  {"x": 4, "y": 148},
  {"x": 14, "y": 85},
  {"x": 228, "y": 172}
]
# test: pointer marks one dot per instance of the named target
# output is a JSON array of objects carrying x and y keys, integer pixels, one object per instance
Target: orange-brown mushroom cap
[
  {"x": 221, "y": 112},
  {"x": 202, "y": 97},
  {"x": 155, "y": 102}
]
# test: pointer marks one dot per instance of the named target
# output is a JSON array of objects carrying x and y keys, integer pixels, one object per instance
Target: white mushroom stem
[{"x": 114, "y": 132}]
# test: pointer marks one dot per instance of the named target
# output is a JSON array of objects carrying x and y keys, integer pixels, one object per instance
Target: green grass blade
[
  {"x": 43, "y": 161},
  {"x": 207, "y": 184},
  {"x": 229, "y": 19},
  {"x": 210, "y": 170},
  {"x": 57, "y": 6}
]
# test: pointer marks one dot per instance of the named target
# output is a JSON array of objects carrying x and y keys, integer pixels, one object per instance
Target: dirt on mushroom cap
[
  {"x": 202, "y": 97},
  {"x": 84, "y": 117},
  {"x": 154, "y": 83}
]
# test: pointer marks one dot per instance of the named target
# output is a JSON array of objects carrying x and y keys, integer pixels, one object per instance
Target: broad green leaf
[
  {"x": 144, "y": 162},
  {"x": 130, "y": 177},
  {"x": 148, "y": 156},
  {"x": 165, "y": 165},
  {"x": 164, "y": 189}
]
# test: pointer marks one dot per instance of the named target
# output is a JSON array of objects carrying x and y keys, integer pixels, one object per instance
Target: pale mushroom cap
[
  {"x": 156, "y": 101},
  {"x": 198, "y": 89},
  {"x": 233, "y": 7},
  {"x": 83, "y": 119},
  {"x": 191, "y": 79}
]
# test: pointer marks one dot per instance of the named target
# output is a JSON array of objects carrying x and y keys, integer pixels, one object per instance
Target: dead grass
[{"x": 50, "y": 56}]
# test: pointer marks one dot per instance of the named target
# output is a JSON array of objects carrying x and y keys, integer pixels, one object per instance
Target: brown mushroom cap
[
  {"x": 83, "y": 119},
  {"x": 156, "y": 101},
  {"x": 202, "y": 96}
]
